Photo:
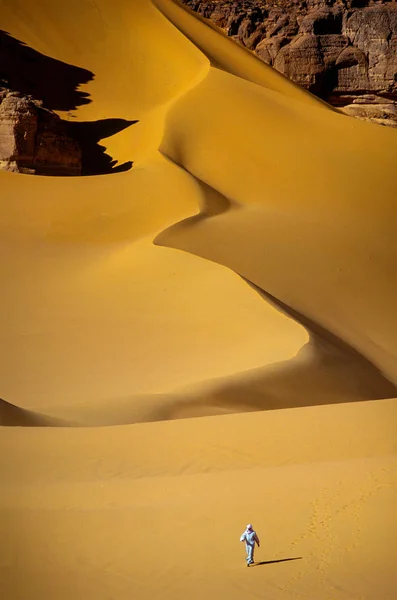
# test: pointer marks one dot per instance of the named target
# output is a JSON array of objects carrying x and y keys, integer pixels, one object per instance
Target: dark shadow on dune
[
  {"x": 320, "y": 374},
  {"x": 273, "y": 562},
  {"x": 95, "y": 161},
  {"x": 326, "y": 370},
  {"x": 212, "y": 203},
  {"x": 381, "y": 387},
  {"x": 14, "y": 416},
  {"x": 54, "y": 82}
]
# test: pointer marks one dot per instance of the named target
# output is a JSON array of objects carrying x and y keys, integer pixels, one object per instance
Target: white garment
[{"x": 250, "y": 538}]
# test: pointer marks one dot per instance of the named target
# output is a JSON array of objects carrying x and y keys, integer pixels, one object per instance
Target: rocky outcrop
[
  {"x": 35, "y": 140},
  {"x": 344, "y": 51}
]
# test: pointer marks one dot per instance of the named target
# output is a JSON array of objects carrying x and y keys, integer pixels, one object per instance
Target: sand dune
[
  {"x": 13, "y": 416},
  {"x": 323, "y": 372},
  {"x": 319, "y": 201},
  {"x": 128, "y": 318},
  {"x": 204, "y": 340},
  {"x": 318, "y": 483}
]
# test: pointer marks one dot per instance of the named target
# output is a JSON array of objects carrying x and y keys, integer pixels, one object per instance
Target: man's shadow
[
  {"x": 272, "y": 562},
  {"x": 56, "y": 84}
]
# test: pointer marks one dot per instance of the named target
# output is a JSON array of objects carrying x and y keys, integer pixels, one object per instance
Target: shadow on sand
[
  {"x": 272, "y": 562},
  {"x": 14, "y": 416},
  {"x": 95, "y": 161},
  {"x": 56, "y": 84}
]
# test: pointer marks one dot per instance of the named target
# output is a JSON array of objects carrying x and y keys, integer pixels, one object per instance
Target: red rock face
[
  {"x": 344, "y": 51},
  {"x": 18, "y": 128},
  {"x": 34, "y": 140}
]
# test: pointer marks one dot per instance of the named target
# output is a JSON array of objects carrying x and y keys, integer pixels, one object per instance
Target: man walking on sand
[{"x": 250, "y": 538}]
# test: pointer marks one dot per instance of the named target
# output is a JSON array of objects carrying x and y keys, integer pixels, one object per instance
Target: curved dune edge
[
  {"x": 319, "y": 434},
  {"x": 224, "y": 53},
  {"x": 325, "y": 371},
  {"x": 286, "y": 233},
  {"x": 260, "y": 87},
  {"x": 320, "y": 375},
  {"x": 187, "y": 301},
  {"x": 13, "y": 416}
]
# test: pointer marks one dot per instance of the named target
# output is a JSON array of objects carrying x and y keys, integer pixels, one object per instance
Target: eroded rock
[
  {"x": 35, "y": 140},
  {"x": 341, "y": 50}
]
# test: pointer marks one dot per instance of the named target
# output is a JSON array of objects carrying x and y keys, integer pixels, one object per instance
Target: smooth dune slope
[
  {"x": 86, "y": 331},
  {"x": 109, "y": 322},
  {"x": 245, "y": 264},
  {"x": 225, "y": 54},
  {"x": 93, "y": 311},
  {"x": 313, "y": 195},
  {"x": 14, "y": 416},
  {"x": 156, "y": 510}
]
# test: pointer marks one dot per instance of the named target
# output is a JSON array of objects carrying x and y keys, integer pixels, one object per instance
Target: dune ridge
[
  {"x": 14, "y": 416},
  {"x": 325, "y": 371},
  {"x": 224, "y": 53},
  {"x": 216, "y": 449}
]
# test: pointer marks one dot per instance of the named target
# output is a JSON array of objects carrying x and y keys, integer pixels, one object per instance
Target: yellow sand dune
[
  {"x": 325, "y": 180},
  {"x": 245, "y": 264},
  {"x": 156, "y": 510},
  {"x": 14, "y": 416}
]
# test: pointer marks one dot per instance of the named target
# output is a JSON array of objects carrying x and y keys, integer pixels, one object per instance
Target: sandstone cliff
[
  {"x": 344, "y": 51},
  {"x": 35, "y": 140}
]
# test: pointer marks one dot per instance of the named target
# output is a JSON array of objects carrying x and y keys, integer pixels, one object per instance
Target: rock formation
[
  {"x": 35, "y": 140},
  {"x": 344, "y": 51}
]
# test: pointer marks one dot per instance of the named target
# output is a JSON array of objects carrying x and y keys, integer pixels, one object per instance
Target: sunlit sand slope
[
  {"x": 133, "y": 318},
  {"x": 155, "y": 510},
  {"x": 92, "y": 310},
  {"x": 293, "y": 196},
  {"x": 311, "y": 217}
]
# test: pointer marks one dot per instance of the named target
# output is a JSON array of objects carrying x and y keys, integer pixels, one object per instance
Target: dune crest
[
  {"x": 270, "y": 225},
  {"x": 13, "y": 416}
]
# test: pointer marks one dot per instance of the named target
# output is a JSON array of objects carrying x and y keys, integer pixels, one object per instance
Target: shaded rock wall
[
  {"x": 35, "y": 140},
  {"x": 344, "y": 51}
]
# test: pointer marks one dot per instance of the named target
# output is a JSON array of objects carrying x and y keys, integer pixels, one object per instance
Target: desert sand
[{"x": 206, "y": 340}]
